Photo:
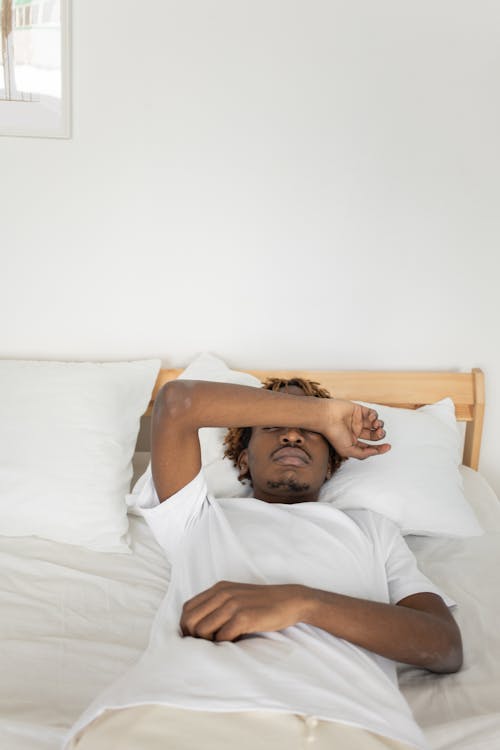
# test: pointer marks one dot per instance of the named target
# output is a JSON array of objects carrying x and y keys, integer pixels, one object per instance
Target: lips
[{"x": 291, "y": 456}]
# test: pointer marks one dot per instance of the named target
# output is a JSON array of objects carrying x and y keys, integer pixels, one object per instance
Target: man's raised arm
[{"x": 182, "y": 407}]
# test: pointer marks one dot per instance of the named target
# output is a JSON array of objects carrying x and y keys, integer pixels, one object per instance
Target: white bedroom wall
[{"x": 296, "y": 183}]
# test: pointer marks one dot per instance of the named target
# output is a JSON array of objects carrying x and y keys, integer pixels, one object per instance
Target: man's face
[{"x": 286, "y": 464}]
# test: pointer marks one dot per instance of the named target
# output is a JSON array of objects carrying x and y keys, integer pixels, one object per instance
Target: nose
[{"x": 291, "y": 435}]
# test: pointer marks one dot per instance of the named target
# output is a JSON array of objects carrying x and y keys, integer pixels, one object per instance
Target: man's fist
[{"x": 228, "y": 610}]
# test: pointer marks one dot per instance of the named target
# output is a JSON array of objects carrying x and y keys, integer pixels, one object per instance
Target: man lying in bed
[{"x": 284, "y": 617}]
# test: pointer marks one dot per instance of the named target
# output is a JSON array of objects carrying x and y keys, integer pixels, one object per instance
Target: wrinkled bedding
[
  {"x": 72, "y": 620},
  {"x": 462, "y": 711}
]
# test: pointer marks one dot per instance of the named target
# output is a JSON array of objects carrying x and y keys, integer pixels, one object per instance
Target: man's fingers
[
  {"x": 208, "y": 626},
  {"x": 372, "y": 425},
  {"x": 370, "y": 418},
  {"x": 365, "y": 422},
  {"x": 232, "y": 629},
  {"x": 226, "y": 623},
  {"x": 201, "y": 598},
  {"x": 200, "y": 607},
  {"x": 384, "y": 448},
  {"x": 204, "y": 596},
  {"x": 366, "y": 425},
  {"x": 376, "y": 434}
]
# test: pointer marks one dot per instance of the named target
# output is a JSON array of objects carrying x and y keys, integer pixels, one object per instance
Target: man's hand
[
  {"x": 227, "y": 610},
  {"x": 349, "y": 424}
]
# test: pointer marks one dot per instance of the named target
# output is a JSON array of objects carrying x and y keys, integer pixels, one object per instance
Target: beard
[{"x": 289, "y": 484}]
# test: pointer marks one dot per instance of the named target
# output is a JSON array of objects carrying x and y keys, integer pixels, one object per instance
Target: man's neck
[{"x": 288, "y": 493}]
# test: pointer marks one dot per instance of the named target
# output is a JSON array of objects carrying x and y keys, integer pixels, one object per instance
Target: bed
[{"x": 73, "y": 619}]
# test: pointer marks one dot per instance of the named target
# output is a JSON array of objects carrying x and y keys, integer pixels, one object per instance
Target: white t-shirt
[{"x": 300, "y": 669}]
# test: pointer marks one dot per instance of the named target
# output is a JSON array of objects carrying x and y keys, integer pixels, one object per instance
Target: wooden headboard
[{"x": 407, "y": 390}]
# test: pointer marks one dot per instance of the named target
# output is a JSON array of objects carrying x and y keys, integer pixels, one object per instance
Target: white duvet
[{"x": 73, "y": 620}]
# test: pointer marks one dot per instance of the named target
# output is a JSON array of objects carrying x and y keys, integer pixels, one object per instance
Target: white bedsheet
[
  {"x": 462, "y": 711},
  {"x": 72, "y": 620}
]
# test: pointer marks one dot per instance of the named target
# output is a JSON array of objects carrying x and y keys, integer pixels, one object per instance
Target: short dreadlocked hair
[{"x": 237, "y": 438}]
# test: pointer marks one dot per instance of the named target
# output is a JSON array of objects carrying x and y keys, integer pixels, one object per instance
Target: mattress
[{"x": 73, "y": 620}]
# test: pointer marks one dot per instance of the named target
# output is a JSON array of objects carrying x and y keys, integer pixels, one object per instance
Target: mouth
[{"x": 288, "y": 456}]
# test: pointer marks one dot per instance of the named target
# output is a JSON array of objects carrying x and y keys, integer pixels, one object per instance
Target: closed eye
[{"x": 307, "y": 432}]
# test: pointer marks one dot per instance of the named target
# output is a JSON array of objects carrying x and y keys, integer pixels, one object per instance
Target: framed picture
[{"x": 34, "y": 68}]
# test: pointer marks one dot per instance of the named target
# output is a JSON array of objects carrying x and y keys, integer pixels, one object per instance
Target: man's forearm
[
  {"x": 207, "y": 404},
  {"x": 398, "y": 632},
  {"x": 421, "y": 632}
]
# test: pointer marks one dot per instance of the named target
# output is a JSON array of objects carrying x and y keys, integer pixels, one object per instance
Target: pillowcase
[
  {"x": 68, "y": 432},
  {"x": 417, "y": 484},
  {"x": 221, "y": 475}
]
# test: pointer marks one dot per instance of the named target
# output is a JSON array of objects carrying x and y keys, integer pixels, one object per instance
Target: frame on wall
[{"x": 34, "y": 68}]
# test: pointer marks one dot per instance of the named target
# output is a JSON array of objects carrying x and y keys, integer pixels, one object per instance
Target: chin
[{"x": 288, "y": 485}]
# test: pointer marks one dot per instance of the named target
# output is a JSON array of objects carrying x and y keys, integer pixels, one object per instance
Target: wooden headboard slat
[
  {"x": 474, "y": 429},
  {"x": 390, "y": 388}
]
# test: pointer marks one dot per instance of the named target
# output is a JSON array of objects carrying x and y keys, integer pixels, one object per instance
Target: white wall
[{"x": 283, "y": 182}]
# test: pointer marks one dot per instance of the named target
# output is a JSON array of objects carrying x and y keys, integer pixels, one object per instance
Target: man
[{"x": 284, "y": 616}]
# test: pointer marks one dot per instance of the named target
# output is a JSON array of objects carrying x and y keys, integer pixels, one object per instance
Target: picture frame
[{"x": 35, "y": 68}]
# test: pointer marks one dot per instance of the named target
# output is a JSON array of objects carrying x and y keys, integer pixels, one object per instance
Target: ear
[
  {"x": 243, "y": 465},
  {"x": 329, "y": 471}
]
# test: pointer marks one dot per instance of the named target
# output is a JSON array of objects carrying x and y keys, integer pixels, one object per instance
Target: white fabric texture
[
  {"x": 300, "y": 669},
  {"x": 417, "y": 484},
  {"x": 87, "y": 415},
  {"x": 74, "y": 620}
]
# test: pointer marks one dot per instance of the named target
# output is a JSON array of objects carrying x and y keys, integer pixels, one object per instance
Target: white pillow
[
  {"x": 68, "y": 432},
  {"x": 221, "y": 474},
  {"x": 417, "y": 483}
]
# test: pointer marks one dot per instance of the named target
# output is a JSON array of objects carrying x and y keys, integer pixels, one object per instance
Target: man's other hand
[{"x": 228, "y": 610}]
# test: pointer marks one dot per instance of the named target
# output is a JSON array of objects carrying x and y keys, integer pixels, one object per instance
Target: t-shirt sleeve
[
  {"x": 404, "y": 577},
  {"x": 170, "y": 519}
]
